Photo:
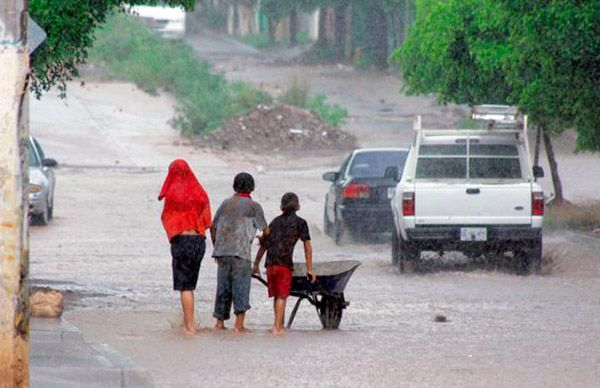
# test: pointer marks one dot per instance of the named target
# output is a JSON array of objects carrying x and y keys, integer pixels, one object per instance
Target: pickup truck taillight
[
  {"x": 356, "y": 190},
  {"x": 408, "y": 204},
  {"x": 537, "y": 203}
]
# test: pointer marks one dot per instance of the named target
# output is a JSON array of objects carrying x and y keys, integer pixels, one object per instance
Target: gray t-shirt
[{"x": 236, "y": 221}]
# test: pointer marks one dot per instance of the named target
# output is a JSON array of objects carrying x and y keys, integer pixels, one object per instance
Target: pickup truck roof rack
[{"x": 520, "y": 130}]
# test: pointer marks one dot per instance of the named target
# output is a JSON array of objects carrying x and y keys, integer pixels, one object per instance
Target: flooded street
[{"x": 107, "y": 249}]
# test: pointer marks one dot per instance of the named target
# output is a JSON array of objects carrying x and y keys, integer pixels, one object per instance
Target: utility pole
[{"x": 14, "y": 238}]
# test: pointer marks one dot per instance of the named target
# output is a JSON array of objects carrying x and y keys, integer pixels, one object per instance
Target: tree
[
  {"x": 70, "y": 26},
  {"x": 541, "y": 56}
]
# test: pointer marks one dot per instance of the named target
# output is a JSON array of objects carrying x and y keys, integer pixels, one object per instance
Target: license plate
[
  {"x": 473, "y": 234},
  {"x": 391, "y": 192}
]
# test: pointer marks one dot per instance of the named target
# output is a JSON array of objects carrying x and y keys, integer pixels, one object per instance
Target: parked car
[
  {"x": 169, "y": 22},
  {"x": 41, "y": 184},
  {"x": 358, "y": 200},
  {"x": 472, "y": 191}
]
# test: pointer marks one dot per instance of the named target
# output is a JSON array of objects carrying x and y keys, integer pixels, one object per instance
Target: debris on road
[
  {"x": 46, "y": 303},
  {"x": 277, "y": 128},
  {"x": 440, "y": 318}
]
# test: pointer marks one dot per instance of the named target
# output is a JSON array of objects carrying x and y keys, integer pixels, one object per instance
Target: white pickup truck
[{"x": 472, "y": 191}]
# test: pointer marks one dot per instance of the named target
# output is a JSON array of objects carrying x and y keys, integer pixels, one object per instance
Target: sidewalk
[{"x": 60, "y": 357}]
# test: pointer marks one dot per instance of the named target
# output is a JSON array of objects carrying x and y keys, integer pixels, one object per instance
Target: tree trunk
[
  {"x": 14, "y": 257},
  {"x": 536, "y": 152},
  {"x": 236, "y": 20},
  {"x": 380, "y": 36},
  {"x": 558, "y": 191},
  {"x": 340, "y": 31},
  {"x": 272, "y": 29},
  {"x": 293, "y": 26},
  {"x": 322, "y": 39}
]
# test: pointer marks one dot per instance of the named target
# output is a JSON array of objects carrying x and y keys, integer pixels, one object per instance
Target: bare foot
[
  {"x": 281, "y": 331},
  {"x": 220, "y": 325},
  {"x": 190, "y": 330},
  {"x": 242, "y": 330}
]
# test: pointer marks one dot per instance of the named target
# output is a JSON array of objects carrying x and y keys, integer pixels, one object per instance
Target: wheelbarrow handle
[{"x": 260, "y": 279}]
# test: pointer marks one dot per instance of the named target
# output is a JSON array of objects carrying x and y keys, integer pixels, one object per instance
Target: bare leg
[
  {"x": 239, "y": 324},
  {"x": 187, "y": 305},
  {"x": 279, "y": 316}
]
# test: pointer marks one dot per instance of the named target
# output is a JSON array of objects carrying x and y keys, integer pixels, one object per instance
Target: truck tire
[
  {"x": 395, "y": 248},
  {"x": 408, "y": 256},
  {"x": 530, "y": 257}
]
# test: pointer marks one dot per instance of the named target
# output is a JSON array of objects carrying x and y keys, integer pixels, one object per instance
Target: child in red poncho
[{"x": 186, "y": 217}]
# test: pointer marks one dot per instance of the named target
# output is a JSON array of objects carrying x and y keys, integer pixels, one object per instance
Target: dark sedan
[{"x": 358, "y": 200}]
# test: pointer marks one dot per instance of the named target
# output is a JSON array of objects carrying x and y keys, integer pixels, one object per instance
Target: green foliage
[
  {"x": 204, "y": 99},
  {"x": 297, "y": 94},
  {"x": 541, "y": 56},
  {"x": 70, "y": 26},
  {"x": 332, "y": 114},
  {"x": 246, "y": 97}
]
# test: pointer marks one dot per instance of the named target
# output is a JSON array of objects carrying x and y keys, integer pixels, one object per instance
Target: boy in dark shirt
[{"x": 284, "y": 232}]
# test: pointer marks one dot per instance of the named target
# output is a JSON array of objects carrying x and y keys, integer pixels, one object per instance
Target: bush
[
  {"x": 334, "y": 114},
  {"x": 204, "y": 99},
  {"x": 297, "y": 94}
]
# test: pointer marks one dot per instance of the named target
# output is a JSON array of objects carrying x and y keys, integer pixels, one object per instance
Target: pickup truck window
[
  {"x": 494, "y": 168},
  {"x": 477, "y": 161},
  {"x": 442, "y": 168}
]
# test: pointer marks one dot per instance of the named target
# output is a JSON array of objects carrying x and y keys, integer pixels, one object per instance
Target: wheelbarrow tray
[{"x": 332, "y": 277}]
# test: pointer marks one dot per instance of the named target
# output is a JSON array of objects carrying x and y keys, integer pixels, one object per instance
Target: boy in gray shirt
[{"x": 233, "y": 229}]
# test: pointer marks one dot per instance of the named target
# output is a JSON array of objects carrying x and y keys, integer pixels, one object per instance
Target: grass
[
  {"x": 129, "y": 51},
  {"x": 259, "y": 41},
  {"x": 585, "y": 217}
]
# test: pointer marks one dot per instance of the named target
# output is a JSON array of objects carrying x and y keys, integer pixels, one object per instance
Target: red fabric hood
[{"x": 187, "y": 205}]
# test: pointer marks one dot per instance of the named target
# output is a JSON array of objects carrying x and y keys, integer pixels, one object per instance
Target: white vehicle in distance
[
  {"x": 169, "y": 22},
  {"x": 472, "y": 191}
]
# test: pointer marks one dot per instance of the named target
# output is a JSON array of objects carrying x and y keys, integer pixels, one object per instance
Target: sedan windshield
[{"x": 374, "y": 164}]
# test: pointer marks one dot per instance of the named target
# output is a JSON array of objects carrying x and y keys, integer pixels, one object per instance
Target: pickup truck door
[{"x": 438, "y": 203}]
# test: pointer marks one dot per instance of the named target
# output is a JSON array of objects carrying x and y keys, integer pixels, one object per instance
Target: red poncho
[{"x": 186, "y": 203}]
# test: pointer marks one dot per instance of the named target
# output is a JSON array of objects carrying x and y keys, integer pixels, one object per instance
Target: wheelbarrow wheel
[{"x": 330, "y": 312}]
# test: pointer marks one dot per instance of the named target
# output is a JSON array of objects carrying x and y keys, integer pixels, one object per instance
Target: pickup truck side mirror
[
  {"x": 49, "y": 163},
  {"x": 391, "y": 172},
  {"x": 331, "y": 176},
  {"x": 538, "y": 172}
]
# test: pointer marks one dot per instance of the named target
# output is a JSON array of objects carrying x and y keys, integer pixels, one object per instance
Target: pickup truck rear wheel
[
  {"x": 408, "y": 256},
  {"x": 530, "y": 257},
  {"x": 395, "y": 248}
]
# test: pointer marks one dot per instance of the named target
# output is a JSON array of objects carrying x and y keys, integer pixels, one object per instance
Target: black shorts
[{"x": 187, "y": 252}]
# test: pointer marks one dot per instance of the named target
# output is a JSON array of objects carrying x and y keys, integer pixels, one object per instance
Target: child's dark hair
[
  {"x": 243, "y": 183},
  {"x": 290, "y": 203}
]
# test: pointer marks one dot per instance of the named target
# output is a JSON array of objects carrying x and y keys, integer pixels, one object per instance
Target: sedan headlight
[{"x": 33, "y": 188}]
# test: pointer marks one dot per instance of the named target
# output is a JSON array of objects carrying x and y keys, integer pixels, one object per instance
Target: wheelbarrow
[{"x": 326, "y": 294}]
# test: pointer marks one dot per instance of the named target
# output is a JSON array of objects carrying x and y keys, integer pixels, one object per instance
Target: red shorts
[{"x": 279, "y": 279}]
